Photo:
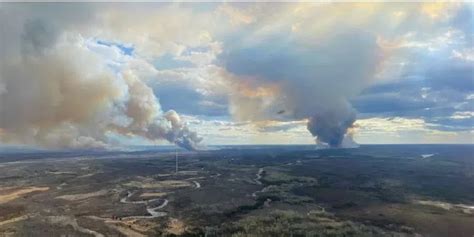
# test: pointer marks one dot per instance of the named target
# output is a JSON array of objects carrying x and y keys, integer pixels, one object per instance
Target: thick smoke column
[
  {"x": 308, "y": 62},
  {"x": 56, "y": 92},
  {"x": 289, "y": 79},
  {"x": 148, "y": 121},
  {"x": 181, "y": 135},
  {"x": 330, "y": 130}
]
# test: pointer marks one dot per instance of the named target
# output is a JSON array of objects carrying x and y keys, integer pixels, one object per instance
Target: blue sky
[{"x": 105, "y": 75}]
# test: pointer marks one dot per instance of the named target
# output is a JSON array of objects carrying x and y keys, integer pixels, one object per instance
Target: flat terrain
[{"x": 396, "y": 190}]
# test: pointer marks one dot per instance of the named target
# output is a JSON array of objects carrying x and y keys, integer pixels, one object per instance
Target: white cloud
[{"x": 406, "y": 33}]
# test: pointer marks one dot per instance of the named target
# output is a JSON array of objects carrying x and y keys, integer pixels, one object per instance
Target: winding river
[{"x": 153, "y": 211}]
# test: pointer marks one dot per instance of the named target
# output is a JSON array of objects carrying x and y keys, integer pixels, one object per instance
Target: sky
[{"x": 110, "y": 75}]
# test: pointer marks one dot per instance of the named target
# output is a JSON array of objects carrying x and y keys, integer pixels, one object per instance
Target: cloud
[
  {"x": 401, "y": 130},
  {"x": 187, "y": 99},
  {"x": 434, "y": 86},
  {"x": 95, "y": 72}
]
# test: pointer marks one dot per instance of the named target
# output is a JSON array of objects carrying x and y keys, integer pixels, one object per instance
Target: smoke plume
[
  {"x": 299, "y": 80},
  {"x": 55, "y": 92},
  {"x": 79, "y": 75},
  {"x": 148, "y": 121}
]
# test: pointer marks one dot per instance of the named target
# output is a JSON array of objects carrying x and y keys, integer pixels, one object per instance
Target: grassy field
[{"x": 243, "y": 191}]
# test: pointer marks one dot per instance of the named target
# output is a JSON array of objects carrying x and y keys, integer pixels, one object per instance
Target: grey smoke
[
  {"x": 330, "y": 129},
  {"x": 56, "y": 93},
  {"x": 311, "y": 81}
]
